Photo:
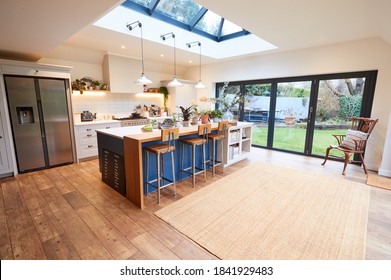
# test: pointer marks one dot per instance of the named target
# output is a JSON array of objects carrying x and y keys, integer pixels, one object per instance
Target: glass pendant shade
[
  {"x": 174, "y": 83},
  {"x": 143, "y": 80},
  {"x": 199, "y": 85}
]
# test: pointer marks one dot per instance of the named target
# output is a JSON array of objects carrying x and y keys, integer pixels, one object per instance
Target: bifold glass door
[{"x": 300, "y": 114}]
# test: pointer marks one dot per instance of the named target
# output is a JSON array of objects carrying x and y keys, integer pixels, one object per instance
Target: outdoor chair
[{"x": 353, "y": 142}]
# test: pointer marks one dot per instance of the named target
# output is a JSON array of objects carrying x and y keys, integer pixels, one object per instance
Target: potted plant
[
  {"x": 290, "y": 116},
  {"x": 79, "y": 85},
  {"x": 204, "y": 116},
  {"x": 175, "y": 119},
  {"x": 186, "y": 114},
  {"x": 96, "y": 84},
  {"x": 216, "y": 115}
]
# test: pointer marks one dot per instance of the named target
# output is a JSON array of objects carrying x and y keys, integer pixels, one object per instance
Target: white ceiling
[{"x": 46, "y": 28}]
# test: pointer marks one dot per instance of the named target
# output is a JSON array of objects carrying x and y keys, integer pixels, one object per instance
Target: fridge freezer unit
[{"x": 40, "y": 121}]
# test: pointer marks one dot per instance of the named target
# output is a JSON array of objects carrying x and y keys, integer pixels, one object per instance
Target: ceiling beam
[{"x": 197, "y": 18}]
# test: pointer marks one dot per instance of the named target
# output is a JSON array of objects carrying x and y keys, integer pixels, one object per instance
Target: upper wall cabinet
[{"x": 120, "y": 73}]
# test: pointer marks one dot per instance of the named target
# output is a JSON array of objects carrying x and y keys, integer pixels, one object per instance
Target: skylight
[
  {"x": 190, "y": 16},
  {"x": 230, "y": 44}
]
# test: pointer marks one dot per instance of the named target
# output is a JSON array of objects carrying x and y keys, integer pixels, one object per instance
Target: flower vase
[{"x": 228, "y": 116}]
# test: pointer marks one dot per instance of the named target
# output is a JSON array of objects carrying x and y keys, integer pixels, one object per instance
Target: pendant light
[
  {"x": 174, "y": 82},
  {"x": 199, "y": 85},
  {"x": 143, "y": 80}
]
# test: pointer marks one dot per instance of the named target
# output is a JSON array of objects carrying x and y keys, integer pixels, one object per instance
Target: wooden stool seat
[
  {"x": 194, "y": 141},
  {"x": 160, "y": 149},
  {"x": 216, "y": 136}
]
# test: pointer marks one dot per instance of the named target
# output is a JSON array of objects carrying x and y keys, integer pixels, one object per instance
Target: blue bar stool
[
  {"x": 219, "y": 140},
  {"x": 167, "y": 135},
  {"x": 203, "y": 131}
]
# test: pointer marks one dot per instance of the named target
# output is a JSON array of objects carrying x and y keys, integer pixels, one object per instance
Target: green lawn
[{"x": 293, "y": 139}]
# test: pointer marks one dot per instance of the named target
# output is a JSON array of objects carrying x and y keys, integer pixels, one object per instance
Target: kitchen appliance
[
  {"x": 40, "y": 121},
  {"x": 87, "y": 116},
  {"x": 131, "y": 121}
]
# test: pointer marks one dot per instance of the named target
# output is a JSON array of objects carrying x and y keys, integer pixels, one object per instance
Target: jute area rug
[
  {"x": 379, "y": 181},
  {"x": 268, "y": 212}
]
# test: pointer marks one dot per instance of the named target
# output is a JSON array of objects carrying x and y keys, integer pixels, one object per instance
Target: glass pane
[
  {"x": 291, "y": 115},
  {"x": 338, "y": 101},
  {"x": 180, "y": 10},
  {"x": 144, "y": 3},
  {"x": 209, "y": 23},
  {"x": 229, "y": 28},
  {"x": 256, "y": 110}
]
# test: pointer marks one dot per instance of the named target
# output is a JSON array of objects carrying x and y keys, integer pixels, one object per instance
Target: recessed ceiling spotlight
[
  {"x": 190, "y": 61},
  {"x": 162, "y": 55},
  {"x": 122, "y": 47}
]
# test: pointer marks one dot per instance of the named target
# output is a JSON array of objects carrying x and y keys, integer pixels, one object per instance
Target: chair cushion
[{"x": 348, "y": 141}]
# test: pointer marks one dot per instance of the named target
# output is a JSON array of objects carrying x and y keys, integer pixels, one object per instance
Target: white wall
[{"x": 368, "y": 54}]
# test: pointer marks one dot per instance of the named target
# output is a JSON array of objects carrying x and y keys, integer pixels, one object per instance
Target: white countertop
[
  {"x": 96, "y": 122},
  {"x": 159, "y": 118},
  {"x": 120, "y": 132}
]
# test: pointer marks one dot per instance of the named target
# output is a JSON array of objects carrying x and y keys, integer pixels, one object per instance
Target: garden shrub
[{"x": 350, "y": 106}]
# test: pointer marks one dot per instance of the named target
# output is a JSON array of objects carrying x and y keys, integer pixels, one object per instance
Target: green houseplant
[
  {"x": 186, "y": 114},
  {"x": 216, "y": 115},
  {"x": 164, "y": 91}
]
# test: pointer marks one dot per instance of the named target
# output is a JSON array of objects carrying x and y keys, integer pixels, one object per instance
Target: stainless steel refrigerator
[{"x": 40, "y": 121}]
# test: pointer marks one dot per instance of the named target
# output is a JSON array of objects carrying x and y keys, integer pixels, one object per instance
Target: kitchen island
[{"x": 121, "y": 157}]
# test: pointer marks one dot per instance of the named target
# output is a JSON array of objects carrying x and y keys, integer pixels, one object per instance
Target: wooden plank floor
[{"x": 69, "y": 213}]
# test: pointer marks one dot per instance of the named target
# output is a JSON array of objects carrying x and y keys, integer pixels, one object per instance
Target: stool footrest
[
  {"x": 171, "y": 182},
  {"x": 186, "y": 170},
  {"x": 216, "y": 163}
]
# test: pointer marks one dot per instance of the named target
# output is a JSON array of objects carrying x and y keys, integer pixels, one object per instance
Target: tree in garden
[
  {"x": 353, "y": 90},
  {"x": 348, "y": 93}
]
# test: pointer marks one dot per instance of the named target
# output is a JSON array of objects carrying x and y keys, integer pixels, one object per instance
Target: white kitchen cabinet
[
  {"x": 86, "y": 139},
  {"x": 238, "y": 142},
  {"x": 5, "y": 159},
  {"x": 120, "y": 72}
]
